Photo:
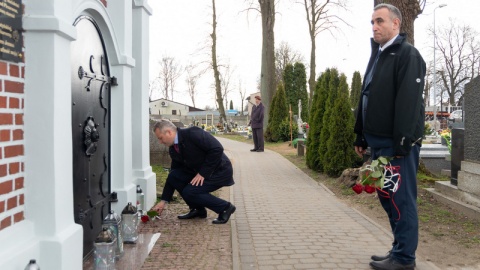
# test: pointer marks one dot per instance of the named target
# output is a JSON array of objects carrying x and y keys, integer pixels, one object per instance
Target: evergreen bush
[
  {"x": 315, "y": 120},
  {"x": 284, "y": 130},
  {"x": 356, "y": 90},
  {"x": 340, "y": 152},
  {"x": 278, "y": 113},
  {"x": 332, "y": 89}
]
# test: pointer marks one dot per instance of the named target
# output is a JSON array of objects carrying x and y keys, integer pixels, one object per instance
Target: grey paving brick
[
  {"x": 284, "y": 220},
  {"x": 288, "y": 213}
]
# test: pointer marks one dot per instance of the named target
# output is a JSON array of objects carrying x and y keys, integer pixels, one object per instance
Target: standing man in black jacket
[
  {"x": 257, "y": 125},
  {"x": 390, "y": 120},
  {"x": 199, "y": 166}
]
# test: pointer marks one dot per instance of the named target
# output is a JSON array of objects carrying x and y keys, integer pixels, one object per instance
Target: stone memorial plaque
[{"x": 11, "y": 39}]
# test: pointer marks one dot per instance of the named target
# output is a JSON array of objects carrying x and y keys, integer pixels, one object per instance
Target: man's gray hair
[
  {"x": 163, "y": 125},
  {"x": 394, "y": 11}
]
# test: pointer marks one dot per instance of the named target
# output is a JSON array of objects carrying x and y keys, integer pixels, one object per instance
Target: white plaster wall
[
  {"x": 140, "y": 96},
  {"x": 48, "y": 154},
  {"x": 48, "y": 233}
]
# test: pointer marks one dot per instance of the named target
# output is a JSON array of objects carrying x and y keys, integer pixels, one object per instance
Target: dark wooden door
[{"x": 90, "y": 129}]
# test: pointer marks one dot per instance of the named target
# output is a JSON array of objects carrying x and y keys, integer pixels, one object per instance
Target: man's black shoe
[
  {"x": 260, "y": 150},
  {"x": 253, "y": 150},
  {"x": 391, "y": 264},
  {"x": 224, "y": 216},
  {"x": 382, "y": 257},
  {"x": 200, "y": 213}
]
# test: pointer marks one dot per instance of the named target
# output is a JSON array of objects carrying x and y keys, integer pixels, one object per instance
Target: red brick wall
[{"x": 12, "y": 189}]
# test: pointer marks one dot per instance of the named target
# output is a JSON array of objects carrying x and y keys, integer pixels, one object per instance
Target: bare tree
[
  {"x": 208, "y": 108},
  {"x": 191, "y": 80},
  {"x": 410, "y": 10},
  {"x": 320, "y": 18},
  {"x": 474, "y": 58},
  {"x": 151, "y": 89},
  {"x": 267, "y": 80},
  {"x": 459, "y": 47},
  {"x": 285, "y": 55},
  {"x": 216, "y": 73},
  {"x": 267, "y": 73},
  {"x": 225, "y": 83},
  {"x": 243, "y": 95},
  {"x": 170, "y": 71}
]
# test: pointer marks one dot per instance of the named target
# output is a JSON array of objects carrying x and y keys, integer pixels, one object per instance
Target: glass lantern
[
  {"x": 104, "y": 254},
  {"x": 140, "y": 200},
  {"x": 32, "y": 265},
  {"x": 130, "y": 220},
  {"x": 113, "y": 222}
]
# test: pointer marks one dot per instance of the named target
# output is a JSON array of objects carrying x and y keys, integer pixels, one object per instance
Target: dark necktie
[{"x": 175, "y": 146}]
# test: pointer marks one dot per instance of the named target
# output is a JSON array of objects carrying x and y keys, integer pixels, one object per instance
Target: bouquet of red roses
[{"x": 374, "y": 175}]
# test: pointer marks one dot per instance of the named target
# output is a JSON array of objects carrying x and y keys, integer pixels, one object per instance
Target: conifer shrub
[
  {"x": 340, "y": 152},
  {"x": 356, "y": 89},
  {"x": 284, "y": 130},
  {"x": 315, "y": 120},
  {"x": 278, "y": 112}
]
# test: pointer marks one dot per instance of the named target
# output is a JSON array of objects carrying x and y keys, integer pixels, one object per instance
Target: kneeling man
[{"x": 199, "y": 166}]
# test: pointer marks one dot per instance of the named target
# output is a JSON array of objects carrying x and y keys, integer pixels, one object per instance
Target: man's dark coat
[{"x": 200, "y": 152}]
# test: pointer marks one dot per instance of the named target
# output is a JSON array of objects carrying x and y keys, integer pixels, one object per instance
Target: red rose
[
  {"x": 369, "y": 189},
  {"x": 358, "y": 188},
  {"x": 145, "y": 218}
]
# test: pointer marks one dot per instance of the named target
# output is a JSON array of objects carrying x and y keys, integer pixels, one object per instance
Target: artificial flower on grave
[
  {"x": 379, "y": 174},
  {"x": 447, "y": 135}
]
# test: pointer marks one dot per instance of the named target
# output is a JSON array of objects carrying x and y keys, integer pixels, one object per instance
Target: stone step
[
  {"x": 445, "y": 187},
  {"x": 134, "y": 254},
  {"x": 468, "y": 210},
  {"x": 434, "y": 146},
  {"x": 434, "y": 150}
]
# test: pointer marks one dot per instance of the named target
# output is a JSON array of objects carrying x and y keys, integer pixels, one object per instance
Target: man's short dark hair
[{"x": 394, "y": 11}]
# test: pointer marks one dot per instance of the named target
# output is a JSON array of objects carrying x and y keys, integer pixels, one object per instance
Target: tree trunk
[
  {"x": 311, "y": 79},
  {"x": 216, "y": 73},
  {"x": 319, "y": 19},
  {"x": 410, "y": 10},
  {"x": 267, "y": 76}
]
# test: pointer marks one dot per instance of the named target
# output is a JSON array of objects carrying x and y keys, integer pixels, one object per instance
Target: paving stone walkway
[{"x": 284, "y": 220}]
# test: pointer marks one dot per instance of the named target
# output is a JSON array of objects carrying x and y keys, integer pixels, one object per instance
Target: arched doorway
[{"x": 90, "y": 129}]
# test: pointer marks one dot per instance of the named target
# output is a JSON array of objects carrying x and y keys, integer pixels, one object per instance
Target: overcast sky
[{"x": 181, "y": 28}]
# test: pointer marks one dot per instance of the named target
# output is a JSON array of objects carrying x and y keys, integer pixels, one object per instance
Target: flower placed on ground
[
  {"x": 144, "y": 218},
  {"x": 151, "y": 215}
]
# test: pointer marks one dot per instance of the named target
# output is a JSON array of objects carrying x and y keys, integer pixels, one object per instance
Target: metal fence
[{"x": 207, "y": 119}]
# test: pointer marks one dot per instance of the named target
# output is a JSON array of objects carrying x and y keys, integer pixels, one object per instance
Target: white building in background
[
  {"x": 168, "y": 107},
  {"x": 74, "y": 126}
]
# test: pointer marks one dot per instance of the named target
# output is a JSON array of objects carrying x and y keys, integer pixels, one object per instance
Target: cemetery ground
[{"x": 447, "y": 238}]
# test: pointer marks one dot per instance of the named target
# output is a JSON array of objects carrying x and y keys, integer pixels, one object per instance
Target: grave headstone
[{"x": 469, "y": 176}]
